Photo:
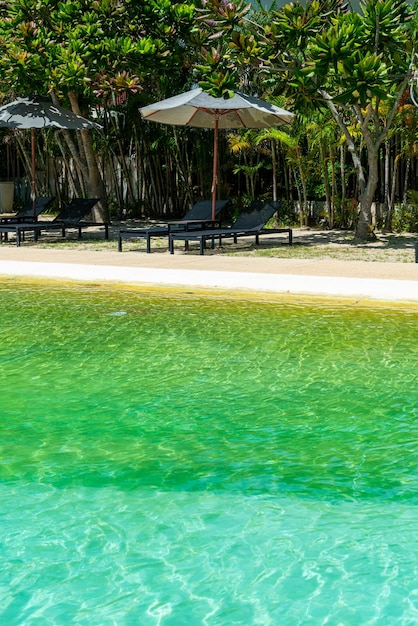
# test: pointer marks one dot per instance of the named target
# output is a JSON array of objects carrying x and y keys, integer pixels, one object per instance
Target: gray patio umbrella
[
  {"x": 197, "y": 108},
  {"x": 36, "y": 112}
]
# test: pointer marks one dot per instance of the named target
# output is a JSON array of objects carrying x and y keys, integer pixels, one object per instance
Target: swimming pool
[{"x": 180, "y": 458}]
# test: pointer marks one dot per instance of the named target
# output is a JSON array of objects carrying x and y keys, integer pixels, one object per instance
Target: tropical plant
[
  {"x": 325, "y": 57},
  {"x": 89, "y": 53}
]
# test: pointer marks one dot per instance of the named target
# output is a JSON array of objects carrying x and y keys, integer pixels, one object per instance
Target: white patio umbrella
[
  {"x": 36, "y": 112},
  {"x": 197, "y": 108}
]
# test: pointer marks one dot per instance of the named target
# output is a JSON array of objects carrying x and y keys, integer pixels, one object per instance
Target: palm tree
[
  {"x": 298, "y": 162},
  {"x": 323, "y": 134},
  {"x": 244, "y": 144}
]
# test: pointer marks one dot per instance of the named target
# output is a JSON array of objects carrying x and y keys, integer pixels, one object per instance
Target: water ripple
[{"x": 191, "y": 460}]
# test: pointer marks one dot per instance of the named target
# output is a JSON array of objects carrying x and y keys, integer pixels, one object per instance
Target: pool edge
[{"x": 388, "y": 290}]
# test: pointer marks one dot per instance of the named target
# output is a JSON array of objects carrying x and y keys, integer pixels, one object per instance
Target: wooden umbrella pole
[
  {"x": 33, "y": 190},
  {"x": 215, "y": 166}
]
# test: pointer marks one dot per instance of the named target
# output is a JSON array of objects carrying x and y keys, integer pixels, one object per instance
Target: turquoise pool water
[{"x": 176, "y": 459}]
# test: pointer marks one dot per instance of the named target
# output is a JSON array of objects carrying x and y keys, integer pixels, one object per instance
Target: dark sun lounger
[
  {"x": 27, "y": 213},
  {"x": 251, "y": 221},
  {"x": 199, "y": 217},
  {"x": 72, "y": 216}
]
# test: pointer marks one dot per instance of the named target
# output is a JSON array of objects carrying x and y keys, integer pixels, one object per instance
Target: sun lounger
[
  {"x": 199, "y": 217},
  {"x": 72, "y": 216},
  {"x": 251, "y": 221},
  {"x": 27, "y": 213}
]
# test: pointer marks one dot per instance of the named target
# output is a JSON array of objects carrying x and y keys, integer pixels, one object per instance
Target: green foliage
[
  {"x": 319, "y": 46},
  {"x": 295, "y": 25},
  {"x": 287, "y": 216},
  {"x": 216, "y": 77},
  {"x": 323, "y": 57},
  {"x": 87, "y": 45},
  {"x": 224, "y": 15},
  {"x": 405, "y": 217},
  {"x": 353, "y": 56},
  {"x": 385, "y": 24},
  {"x": 246, "y": 46},
  {"x": 218, "y": 74}
]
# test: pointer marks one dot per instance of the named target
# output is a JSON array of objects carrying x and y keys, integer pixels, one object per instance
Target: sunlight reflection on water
[{"x": 200, "y": 460}]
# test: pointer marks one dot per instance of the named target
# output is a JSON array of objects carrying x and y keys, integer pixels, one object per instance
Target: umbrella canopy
[
  {"x": 37, "y": 112},
  {"x": 199, "y": 109}
]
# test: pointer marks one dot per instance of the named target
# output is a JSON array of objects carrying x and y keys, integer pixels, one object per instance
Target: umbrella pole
[
  {"x": 215, "y": 166},
  {"x": 33, "y": 186}
]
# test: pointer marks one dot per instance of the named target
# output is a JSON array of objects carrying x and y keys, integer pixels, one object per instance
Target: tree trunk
[
  {"x": 364, "y": 230},
  {"x": 391, "y": 201},
  {"x": 305, "y": 195},
  {"x": 333, "y": 191},
  {"x": 274, "y": 170},
  {"x": 405, "y": 180},
  {"x": 343, "y": 189},
  {"x": 121, "y": 159},
  {"x": 386, "y": 183},
  {"x": 95, "y": 182},
  {"x": 328, "y": 198},
  {"x": 373, "y": 142},
  {"x": 25, "y": 157},
  {"x": 67, "y": 168},
  {"x": 301, "y": 219}
]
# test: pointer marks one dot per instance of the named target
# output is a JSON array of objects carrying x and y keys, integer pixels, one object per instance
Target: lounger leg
[
  {"x": 79, "y": 232},
  {"x": 202, "y": 245},
  {"x": 120, "y": 243},
  {"x": 106, "y": 231},
  {"x": 290, "y": 237},
  {"x": 257, "y": 240},
  {"x": 171, "y": 245},
  {"x": 148, "y": 243}
]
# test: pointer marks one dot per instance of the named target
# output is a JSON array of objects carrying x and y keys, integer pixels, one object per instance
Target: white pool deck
[{"x": 364, "y": 280}]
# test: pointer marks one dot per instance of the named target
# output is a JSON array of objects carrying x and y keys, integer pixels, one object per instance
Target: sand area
[{"x": 320, "y": 263}]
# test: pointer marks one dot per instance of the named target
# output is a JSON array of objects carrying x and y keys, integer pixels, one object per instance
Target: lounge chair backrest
[
  {"x": 78, "y": 209},
  {"x": 41, "y": 204},
  {"x": 256, "y": 215},
  {"x": 203, "y": 210}
]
